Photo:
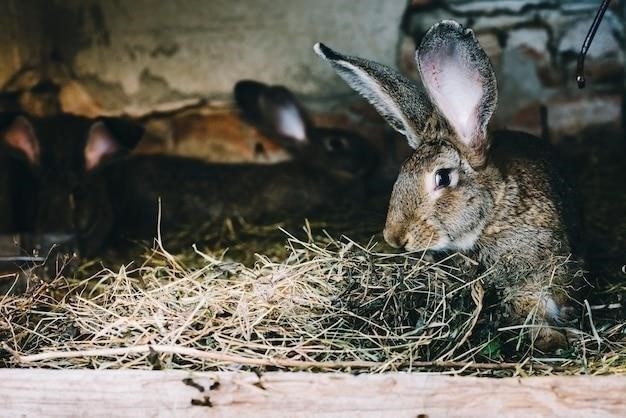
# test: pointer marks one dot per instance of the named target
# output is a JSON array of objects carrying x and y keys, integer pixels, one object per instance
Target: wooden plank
[{"x": 117, "y": 393}]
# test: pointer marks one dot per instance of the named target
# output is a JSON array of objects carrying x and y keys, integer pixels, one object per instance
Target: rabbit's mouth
[{"x": 419, "y": 238}]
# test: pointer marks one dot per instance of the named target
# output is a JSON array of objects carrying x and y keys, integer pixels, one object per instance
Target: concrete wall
[{"x": 135, "y": 57}]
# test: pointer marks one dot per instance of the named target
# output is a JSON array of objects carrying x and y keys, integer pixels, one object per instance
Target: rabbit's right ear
[
  {"x": 275, "y": 110},
  {"x": 460, "y": 81},
  {"x": 395, "y": 97},
  {"x": 283, "y": 116}
]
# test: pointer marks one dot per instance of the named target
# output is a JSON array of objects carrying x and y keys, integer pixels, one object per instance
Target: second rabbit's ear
[
  {"x": 274, "y": 110},
  {"x": 247, "y": 94},
  {"x": 109, "y": 138},
  {"x": 395, "y": 97},
  {"x": 460, "y": 81},
  {"x": 19, "y": 136},
  {"x": 283, "y": 116},
  {"x": 100, "y": 146}
]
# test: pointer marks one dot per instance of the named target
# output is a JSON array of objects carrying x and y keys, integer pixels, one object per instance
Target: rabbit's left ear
[
  {"x": 396, "y": 98},
  {"x": 460, "y": 81},
  {"x": 109, "y": 138},
  {"x": 20, "y": 137}
]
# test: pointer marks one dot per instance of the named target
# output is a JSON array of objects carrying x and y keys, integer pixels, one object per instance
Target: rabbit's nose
[{"x": 396, "y": 237}]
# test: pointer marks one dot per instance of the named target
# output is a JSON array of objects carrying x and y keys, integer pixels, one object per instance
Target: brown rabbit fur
[{"x": 496, "y": 196}]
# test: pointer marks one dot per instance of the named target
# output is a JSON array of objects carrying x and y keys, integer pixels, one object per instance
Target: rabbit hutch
[{"x": 198, "y": 213}]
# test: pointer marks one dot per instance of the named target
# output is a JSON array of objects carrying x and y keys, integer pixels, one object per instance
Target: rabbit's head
[
  {"x": 55, "y": 155},
  {"x": 279, "y": 115},
  {"x": 445, "y": 189}
]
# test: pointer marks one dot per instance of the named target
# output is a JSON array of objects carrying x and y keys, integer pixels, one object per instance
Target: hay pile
[{"x": 330, "y": 305}]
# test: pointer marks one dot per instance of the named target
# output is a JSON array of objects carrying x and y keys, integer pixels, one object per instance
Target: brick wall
[{"x": 534, "y": 46}]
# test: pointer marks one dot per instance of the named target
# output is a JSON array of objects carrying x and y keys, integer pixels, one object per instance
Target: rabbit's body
[
  {"x": 194, "y": 189},
  {"x": 497, "y": 196},
  {"x": 533, "y": 217},
  {"x": 123, "y": 198}
]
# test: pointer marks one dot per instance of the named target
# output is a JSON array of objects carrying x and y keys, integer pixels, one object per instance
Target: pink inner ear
[
  {"x": 100, "y": 145},
  {"x": 456, "y": 90},
  {"x": 21, "y": 137}
]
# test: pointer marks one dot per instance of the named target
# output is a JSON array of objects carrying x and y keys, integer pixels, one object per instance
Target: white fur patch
[
  {"x": 552, "y": 309},
  {"x": 318, "y": 50},
  {"x": 468, "y": 241},
  {"x": 442, "y": 245}
]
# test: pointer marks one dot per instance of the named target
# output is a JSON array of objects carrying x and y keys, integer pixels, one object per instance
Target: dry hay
[{"x": 330, "y": 305}]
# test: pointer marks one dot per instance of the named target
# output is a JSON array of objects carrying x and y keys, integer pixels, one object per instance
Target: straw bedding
[{"x": 330, "y": 304}]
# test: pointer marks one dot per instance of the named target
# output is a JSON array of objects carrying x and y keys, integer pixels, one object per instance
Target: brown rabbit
[{"x": 497, "y": 196}]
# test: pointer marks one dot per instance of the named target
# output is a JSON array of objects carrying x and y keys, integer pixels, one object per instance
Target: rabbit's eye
[
  {"x": 442, "y": 178},
  {"x": 336, "y": 144}
]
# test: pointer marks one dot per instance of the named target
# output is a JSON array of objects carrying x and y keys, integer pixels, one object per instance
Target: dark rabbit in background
[
  {"x": 496, "y": 195},
  {"x": 54, "y": 153},
  {"x": 120, "y": 199}
]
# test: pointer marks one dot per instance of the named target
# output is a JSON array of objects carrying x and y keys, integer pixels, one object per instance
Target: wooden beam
[{"x": 67, "y": 393}]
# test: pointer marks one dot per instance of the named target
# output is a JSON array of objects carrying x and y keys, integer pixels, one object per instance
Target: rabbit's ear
[
  {"x": 247, "y": 94},
  {"x": 395, "y": 97},
  {"x": 101, "y": 144},
  {"x": 275, "y": 110},
  {"x": 283, "y": 116},
  {"x": 20, "y": 137},
  {"x": 460, "y": 81},
  {"x": 109, "y": 139}
]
